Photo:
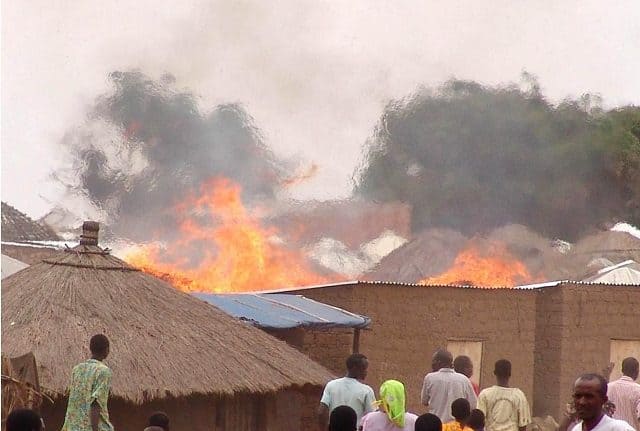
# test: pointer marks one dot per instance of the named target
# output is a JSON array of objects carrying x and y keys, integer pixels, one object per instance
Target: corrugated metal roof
[
  {"x": 281, "y": 311},
  {"x": 535, "y": 286}
]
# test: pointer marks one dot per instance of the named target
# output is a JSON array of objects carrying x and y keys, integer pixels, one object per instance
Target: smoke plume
[
  {"x": 473, "y": 158},
  {"x": 146, "y": 144}
]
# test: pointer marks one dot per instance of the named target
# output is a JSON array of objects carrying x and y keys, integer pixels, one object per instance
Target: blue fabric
[{"x": 283, "y": 311}]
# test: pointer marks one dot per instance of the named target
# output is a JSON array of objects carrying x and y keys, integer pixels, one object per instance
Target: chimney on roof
[{"x": 90, "y": 231}]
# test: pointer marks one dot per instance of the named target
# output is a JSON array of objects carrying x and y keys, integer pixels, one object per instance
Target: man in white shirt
[
  {"x": 505, "y": 408},
  {"x": 625, "y": 393},
  {"x": 442, "y": 387},
  {"x": 589, "y": 397},
  {"x": 348, "y": 391}
]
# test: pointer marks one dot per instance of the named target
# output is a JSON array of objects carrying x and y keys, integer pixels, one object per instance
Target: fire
[
  {"x": 301, "y": 177},
  {"x": 234, "y": 253},
  {"x": 495, "y": 267}
]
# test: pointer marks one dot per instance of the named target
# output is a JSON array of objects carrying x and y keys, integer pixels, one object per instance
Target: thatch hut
[
  {"x": 25, "y": 239},
  {"x": 169, "y": 350}
]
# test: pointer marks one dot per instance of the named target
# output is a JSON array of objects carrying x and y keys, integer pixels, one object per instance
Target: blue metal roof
[{"x": 282, "y": 311}]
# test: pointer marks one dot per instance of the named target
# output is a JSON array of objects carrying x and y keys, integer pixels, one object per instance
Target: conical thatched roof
[
  {"x": 163, "y": 342},
  {"x": 18, "y": 227}
]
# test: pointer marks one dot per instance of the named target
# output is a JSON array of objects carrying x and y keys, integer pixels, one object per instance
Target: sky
[{"x": 315, "y": 75}]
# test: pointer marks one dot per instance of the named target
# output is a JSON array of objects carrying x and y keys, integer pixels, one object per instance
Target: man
[
  {"x": 462, "y": 364},
  {"x": 89, "y": 391},
  {"x": 505, "y": 408},
  {"x": 428, "y": 422},
  {"x": 348, "y": 391},
  {"x": 625, "y": 393},
  {"x": 441, "y": 388},
  {"x": 460, "y": 410},
  {"x": 24, "y": 420},
  {"x": 159, "y": 421},
  {"x": 589, "y": 397},
  {"x": 343, "y": 418}
]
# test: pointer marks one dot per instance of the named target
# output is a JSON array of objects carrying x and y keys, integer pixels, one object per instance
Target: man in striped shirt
[{"x": 625, "y": 393}]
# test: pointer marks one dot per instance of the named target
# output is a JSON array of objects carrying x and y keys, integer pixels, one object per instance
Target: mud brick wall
[
  {"x": 410, "y": 323},
  {"x": 328, "y": 347},
  {"x": 547, "y": 352},
  {"x": 593, "y": 316}
]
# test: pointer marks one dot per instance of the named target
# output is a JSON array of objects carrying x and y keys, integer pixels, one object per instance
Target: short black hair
[
  {"x": 630, "y": 366},
  {"x": 476, "y": 419},
  {"x": 602, "y": 382},
  {"x": 24, "y": 420},
  {"x": 343, "y": 418},
  {"x": 356, "y": 360},
  {"x": 460, "y": 409},
  {"x": 159, "y": 419},
  {"x": 99, "y": 343},
  {"x": 428, "y": 422},
  {"x": 502, "y": 368},
  {"x": 461, "y": 362}
]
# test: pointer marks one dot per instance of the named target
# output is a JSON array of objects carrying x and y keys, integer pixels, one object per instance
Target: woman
[{"x": 392, "y": 415}]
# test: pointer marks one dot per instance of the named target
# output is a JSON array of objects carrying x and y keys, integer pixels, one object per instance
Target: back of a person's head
[
  {"x": 476, "y": 420},
  {"x": 24, "y": 420},
  {"x": 630, "y": 367},
  {"x": 343, "y": 418},
  {"x": 461, "y": 364},
  {"x": 99, "y": 344},
  {"x": 159, "y": 419},
  {"x": 428, "y": 422},
  {"x": 502, "y": 368},
  {"x": 460, "y": 409},
  {"x": 355, "y": 360}
]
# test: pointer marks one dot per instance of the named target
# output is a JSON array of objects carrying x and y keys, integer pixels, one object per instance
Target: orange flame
[
  {"x": 301, "y": 177},
  {"x": 236, "y": 253},
  {"x": 495, "y": 267}
]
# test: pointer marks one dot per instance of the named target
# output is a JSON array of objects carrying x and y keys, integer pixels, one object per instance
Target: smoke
[
  {"x": 146, "y": 144},
  {"x": 472, "y": 158}
]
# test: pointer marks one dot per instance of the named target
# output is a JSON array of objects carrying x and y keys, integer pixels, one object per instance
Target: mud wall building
[{"x": 550, "y": 333}]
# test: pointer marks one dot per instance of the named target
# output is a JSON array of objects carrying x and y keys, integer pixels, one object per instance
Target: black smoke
[
  {"x": 473, "y": 158},
  {"x": 147, "y": 143}
]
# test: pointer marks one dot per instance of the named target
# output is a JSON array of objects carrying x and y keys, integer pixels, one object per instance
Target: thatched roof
[
  {"x": 163, "y": 341},
  {"x": 19, "y": 227}
]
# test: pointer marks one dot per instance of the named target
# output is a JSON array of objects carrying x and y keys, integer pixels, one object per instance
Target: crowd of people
[{"x": 454, "y": 403}]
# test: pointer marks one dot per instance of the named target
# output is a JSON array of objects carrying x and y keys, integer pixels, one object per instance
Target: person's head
[
  {"x": 460, "y": 409},
  {"x": 343, "y": 418},
  {"x": 159, "y": 419},
  {"x": 24, "y": 420},
  {"x": 428, "y": 422},
  {"x": 463, "y": 365},
  {"x": 589, "y": 396},
  {"x": 630, "y": 367},
  {"x": 476, "y": 420},
  {"x": 357, "y": 365},
  {"x": 441, "y": 359},
  {"x": 99, "y": 346},
  {"x": 502, "y": 369},
  {"x": 392, "y": 401}
]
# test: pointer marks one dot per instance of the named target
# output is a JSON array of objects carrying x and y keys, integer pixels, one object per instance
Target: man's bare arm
[
  {"x": 323, "y": 416},
  {"x": 95, "y": 415}
]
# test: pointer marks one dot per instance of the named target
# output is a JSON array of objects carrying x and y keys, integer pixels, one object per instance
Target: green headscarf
[{"x": 393, "y": 399}]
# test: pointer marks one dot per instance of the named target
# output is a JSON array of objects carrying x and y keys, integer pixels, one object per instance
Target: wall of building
[
  {"x": 593, "y": 316},
  {"x": 287, "y": 410},
  {"x": 551, "y": 335},
  {"x": 410, "y": 323}
]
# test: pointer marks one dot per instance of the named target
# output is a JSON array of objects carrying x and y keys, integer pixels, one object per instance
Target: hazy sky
[{"x": 315, "y": 75}]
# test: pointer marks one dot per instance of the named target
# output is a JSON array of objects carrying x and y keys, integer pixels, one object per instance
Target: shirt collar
[
  {"x": 446, "y": 370},
  {"x": 627, "y": 378}
]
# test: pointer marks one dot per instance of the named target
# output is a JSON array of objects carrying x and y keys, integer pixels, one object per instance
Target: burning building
[{"x": 170, "y": 351}]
